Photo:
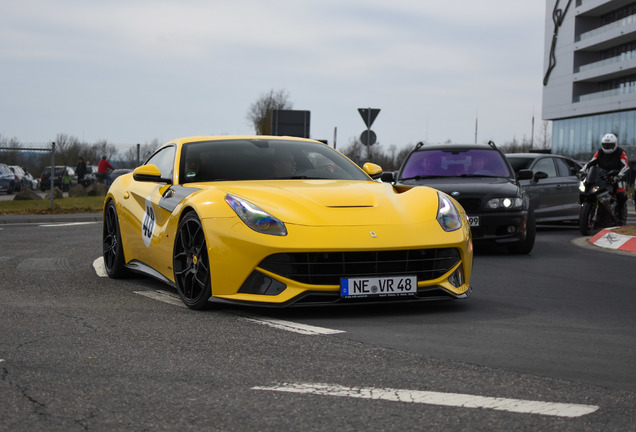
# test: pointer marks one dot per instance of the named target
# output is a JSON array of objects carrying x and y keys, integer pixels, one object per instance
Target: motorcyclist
[{"x": 612, "y": 157}]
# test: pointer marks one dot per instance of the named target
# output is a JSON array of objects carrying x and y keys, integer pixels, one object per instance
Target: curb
[{"x": 608, "y": 239}]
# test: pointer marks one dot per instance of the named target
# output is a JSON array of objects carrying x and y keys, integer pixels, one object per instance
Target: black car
[
  {"x": 58, "y": 174},
  {"x": 554, "y": 187},
  {"x": 479, "y": 177}
]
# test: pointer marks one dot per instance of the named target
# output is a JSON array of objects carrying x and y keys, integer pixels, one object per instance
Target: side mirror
[
  {"x": 388, "y": 177},
  {"x": 374, "y": 171},
  {"x": 524, "y": 174},
  {"x": 148, "y": 173},
  {"x": 540, "y": 175}
]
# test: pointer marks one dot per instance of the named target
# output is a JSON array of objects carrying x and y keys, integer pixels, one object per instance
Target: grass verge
[{"x": 91, "y": 204}]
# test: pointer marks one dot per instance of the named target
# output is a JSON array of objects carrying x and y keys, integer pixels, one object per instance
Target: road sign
[
  {"x": 368, "y": 115},
  {"x": 368, "y": 137}
]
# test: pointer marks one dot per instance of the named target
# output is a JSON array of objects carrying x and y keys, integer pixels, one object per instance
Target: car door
[
  {"x": 544, "y": 192},
  {"x": 144, "y": 224},
  {"x": 568, "y": 189}
]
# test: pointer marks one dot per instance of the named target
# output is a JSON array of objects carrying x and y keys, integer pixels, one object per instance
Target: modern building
[{"x": 589, "y": 85}]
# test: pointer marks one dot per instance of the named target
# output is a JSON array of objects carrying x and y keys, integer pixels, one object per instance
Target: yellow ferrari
[{"x": 282, "y": 221}]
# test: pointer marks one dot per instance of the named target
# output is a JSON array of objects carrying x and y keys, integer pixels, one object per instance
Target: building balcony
[
  {"x": 622, "y": 91},
  {"x": 616, "y": 33}
]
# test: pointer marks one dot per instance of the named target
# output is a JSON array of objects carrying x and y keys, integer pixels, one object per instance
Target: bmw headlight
[
  {"x": 505, "y": 203},
  {"x": 447, "y": 214},
  {"x": 255, "y": 217}
]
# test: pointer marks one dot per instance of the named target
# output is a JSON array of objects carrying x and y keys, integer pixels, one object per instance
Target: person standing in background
[
  {"x": 102, "y": 170},
  {"x": 80, "y": 170}
]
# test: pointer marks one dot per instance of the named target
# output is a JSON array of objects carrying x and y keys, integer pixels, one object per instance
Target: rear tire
[{"x": 113, "y": 251}]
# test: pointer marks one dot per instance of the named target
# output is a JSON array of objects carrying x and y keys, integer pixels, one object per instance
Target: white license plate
[
  {"x": 473, "y": 221},
  {"x": 378, "y": 286}
]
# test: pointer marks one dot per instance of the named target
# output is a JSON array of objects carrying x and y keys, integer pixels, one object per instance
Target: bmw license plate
[
  {"x": 395, "y": 286},
  {"x": 473, "y": 221}
]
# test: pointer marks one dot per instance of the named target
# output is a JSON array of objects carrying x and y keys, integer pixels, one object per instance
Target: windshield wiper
[
  {"x": 422, "y": 177},
  {"x": 477, "y": 175}
]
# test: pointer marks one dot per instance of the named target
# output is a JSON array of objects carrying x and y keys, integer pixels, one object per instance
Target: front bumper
[
  {"x": 508, "y": 227},
  {"x": 237, "y": 253}
]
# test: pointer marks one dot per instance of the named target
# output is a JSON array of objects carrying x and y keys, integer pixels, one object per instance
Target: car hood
[
  {"x": 481, "y": 187},
  {"x": 340, "y": 202}
]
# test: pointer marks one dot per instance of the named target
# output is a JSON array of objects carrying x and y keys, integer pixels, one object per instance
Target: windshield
[
  {"x": 440, "y": 163},
  {"x": 264, "y": 159}
]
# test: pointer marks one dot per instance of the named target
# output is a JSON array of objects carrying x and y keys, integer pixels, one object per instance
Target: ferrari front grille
[{"x": 326, "y": 268}]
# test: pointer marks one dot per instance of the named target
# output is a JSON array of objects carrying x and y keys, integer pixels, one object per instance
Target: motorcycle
[{"x": 599, "y": 203}]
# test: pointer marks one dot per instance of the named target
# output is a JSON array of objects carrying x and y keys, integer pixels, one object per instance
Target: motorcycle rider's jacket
[{"x": 617, "y": 160}]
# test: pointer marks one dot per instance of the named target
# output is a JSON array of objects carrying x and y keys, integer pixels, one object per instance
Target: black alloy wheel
[
  {"x": 191, "y": 263},
  {"x": 113, "y": 251}
]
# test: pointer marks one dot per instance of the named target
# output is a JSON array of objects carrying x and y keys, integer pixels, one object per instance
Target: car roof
[
  {"x": 535, "y": 155},
  {"x": 459, "y": 147},
  {"x": 235, "y": 137}
]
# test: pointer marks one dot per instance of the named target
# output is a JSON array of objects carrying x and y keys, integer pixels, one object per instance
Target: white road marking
[
  {"x": 289, "y": 325},
  {"x": 305, "y": 329},
  {"x": 162, "y": 296},
  {"x": 436, "y": 398},
  {"x": 173, "y": 299},
  {"x": 67, "y": 224},
  {"x": 99, "y": 267}
]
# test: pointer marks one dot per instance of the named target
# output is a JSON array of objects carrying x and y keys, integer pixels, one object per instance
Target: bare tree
[
  {"x": 516, "y": 146},
  {"x": 544, "y": 140},
  {"x": 260, "y": 112},
  {"x": 100, "y": 148}
]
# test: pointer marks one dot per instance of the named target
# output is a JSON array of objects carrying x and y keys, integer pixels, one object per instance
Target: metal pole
[
  {"x": 369, "y": 135},
  {"x": 52, "y": 171},
  {"x": 138, "y": 154},
  {"x": 335, "y": 136}
]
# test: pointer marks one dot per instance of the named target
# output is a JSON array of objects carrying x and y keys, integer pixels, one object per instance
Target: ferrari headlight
[
  {"x": 505, "y": 203},
  {"x": 447, "y": 214},
  {"x": 255, "y": 217}
]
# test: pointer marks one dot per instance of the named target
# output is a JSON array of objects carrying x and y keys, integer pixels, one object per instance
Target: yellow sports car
[{"x": 279, "y": 221}]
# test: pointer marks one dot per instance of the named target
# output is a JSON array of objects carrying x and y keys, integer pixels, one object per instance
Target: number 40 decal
[{"x": 148, "y": 224}]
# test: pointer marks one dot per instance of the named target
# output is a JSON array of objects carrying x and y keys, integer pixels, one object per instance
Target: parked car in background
[
  {"x": 118, "y": 172},
  {"x": 554, "y": 187},
  {"x": 91, "y": 175},
  {"x": 22, "y": 181},
  {"x": 58, "y": 174},
  {"x": 479, "y": 177},
  {"x": 7, "y": 179},
  {"x": 34, "y": 182}
]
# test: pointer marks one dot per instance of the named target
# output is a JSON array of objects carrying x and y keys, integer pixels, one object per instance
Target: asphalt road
[{"x": 87, "y": 353}]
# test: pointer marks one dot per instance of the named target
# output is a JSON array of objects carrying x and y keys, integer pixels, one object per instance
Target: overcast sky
[{"x": 131, "y": 71}]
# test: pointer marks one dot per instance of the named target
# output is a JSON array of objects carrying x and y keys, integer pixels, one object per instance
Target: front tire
[
  {"x": 113, "y": 250},
  {"x": 586, "y": 218},
  {"x": 191, "y": 263},
  {"x": 525, "y": 247}
]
